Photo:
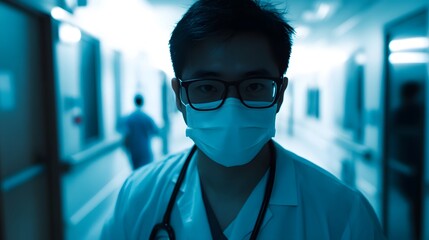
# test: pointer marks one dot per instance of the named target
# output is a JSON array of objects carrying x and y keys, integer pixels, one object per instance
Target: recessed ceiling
[{"x": 319, "y": 18}]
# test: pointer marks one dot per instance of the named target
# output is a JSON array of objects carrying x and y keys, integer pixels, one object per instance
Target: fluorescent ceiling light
[
  {"x": 59, "y": 13},
  {"x": 321, "y": 11},
  {"x": 347, "y": 26},
  {"x": 408, "y": 57},
  {"x": 69, "y": 33},
  {"x": 408, "y": 44}
]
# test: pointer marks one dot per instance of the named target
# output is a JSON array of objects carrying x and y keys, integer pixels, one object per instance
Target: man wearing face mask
[{"x": 229, "y": 59}]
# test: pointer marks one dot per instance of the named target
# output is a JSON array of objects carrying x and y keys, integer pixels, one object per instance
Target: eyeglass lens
[{"x": 209, "y": 94}]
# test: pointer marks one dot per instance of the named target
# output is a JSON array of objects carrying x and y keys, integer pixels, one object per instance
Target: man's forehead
[
  {"x": 232, "y": 41},
  {"x": 241, "y": 54}
]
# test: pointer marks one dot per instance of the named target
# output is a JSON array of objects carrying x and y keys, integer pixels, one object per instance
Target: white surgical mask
[{"x": 233, "y": 134}]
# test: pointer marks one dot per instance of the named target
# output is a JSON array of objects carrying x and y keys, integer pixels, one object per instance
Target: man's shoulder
[
  {"x": 323, "y": 197},
  {"x": 313, "y": 180},
  {"x": 167, "y": 166},
  {"x": 156, "y": 174}
]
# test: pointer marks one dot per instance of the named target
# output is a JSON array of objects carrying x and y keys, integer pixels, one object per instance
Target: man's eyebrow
[
  {"x": 205, "y": 73},
  {"x": 258, "y": 73}
]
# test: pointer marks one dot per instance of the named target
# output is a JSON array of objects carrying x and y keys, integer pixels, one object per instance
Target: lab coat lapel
[
  {"x": 244, "y": 223},
  {"x": 191, "y": 207},
  {"x": 284, "y": 194},
  {"x": 285, "y": 191},
  {"x": 247, "y": 223},
  {"x": 193, "y": 214}
]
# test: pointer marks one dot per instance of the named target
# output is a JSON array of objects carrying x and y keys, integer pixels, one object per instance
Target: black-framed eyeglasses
[{"x": 209, "y": 94}]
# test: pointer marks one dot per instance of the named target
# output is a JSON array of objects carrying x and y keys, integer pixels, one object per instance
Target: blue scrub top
[{"x": 139, "y": 129}]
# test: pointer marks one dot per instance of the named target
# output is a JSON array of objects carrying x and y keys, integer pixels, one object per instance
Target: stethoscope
[{"x": 165, "y": 226}]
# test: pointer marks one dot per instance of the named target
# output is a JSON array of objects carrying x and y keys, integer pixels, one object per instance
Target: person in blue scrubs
[
  {"x": 138, "y": 132},
  {"x": 230, "y": 59}
]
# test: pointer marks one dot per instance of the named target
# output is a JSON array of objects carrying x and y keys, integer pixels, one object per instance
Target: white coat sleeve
[
  {"x": 363, "y": 222},
  {"x": 114, "y": 227}
]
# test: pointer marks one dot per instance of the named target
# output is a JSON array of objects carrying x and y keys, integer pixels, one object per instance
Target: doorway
[
  {"x": 29, "y": 180},
  {"x": 405, "y": 87}
]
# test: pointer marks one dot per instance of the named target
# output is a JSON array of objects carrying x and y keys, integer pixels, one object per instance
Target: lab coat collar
[
  {"x": 285, "y": 191},
  {"x": 191, "y": 206},
  {"x": 284, "y": 194},
  {"x": 243, "y": 225},
  {"x": 285, "y": 187}
]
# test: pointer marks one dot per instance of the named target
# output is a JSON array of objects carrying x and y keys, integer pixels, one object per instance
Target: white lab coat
[{"x": 306, "y": 203}]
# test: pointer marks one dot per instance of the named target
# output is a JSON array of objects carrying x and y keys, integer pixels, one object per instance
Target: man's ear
[
  {"x": 282, "y": 92},
  {"x": 175, "y": 86}
]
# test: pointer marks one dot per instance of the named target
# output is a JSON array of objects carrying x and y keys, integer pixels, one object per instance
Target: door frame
[
  {"x": 50, "y": 165},
  {"x": 385, "y": 96}
]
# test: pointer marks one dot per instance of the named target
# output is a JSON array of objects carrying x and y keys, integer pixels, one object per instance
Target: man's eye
[
  {"x": 207, "y": 88},
  {"x": 255, "y": 87}
]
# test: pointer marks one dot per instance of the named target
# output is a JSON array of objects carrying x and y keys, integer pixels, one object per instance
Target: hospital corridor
[{"x": 76, "y": 76}]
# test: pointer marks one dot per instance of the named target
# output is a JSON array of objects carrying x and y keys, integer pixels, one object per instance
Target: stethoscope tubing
[
  {"x": 165, "y": 224},
  {"x": 267, "y": 194}
]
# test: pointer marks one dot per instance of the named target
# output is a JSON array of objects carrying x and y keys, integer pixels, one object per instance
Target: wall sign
[{"x": 7, "y": 91}]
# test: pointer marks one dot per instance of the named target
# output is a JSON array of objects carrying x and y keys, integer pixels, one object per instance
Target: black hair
[
  {"x": 138, "y": 100},
  {"x": 213, "y": 18}
]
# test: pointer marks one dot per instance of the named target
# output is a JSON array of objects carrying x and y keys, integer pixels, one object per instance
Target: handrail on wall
[
  {"x": 92, "y": 153},
  {"x": 356, "y": 149},
  {"x": 22, "y": 177}
]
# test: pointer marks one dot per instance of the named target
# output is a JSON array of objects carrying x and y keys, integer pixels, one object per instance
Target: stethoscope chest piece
[{"x": 162, "y": 231}]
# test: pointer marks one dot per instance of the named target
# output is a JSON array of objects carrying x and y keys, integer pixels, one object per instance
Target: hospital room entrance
[
  {"x": 29, "y": 193},
  {"x": 405, "y": 88}
]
